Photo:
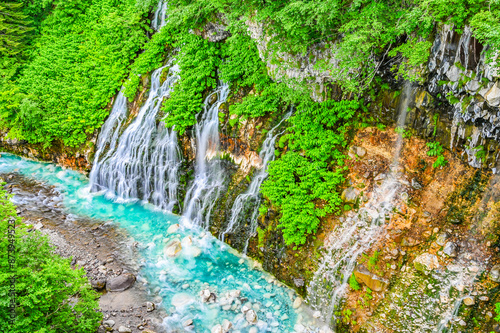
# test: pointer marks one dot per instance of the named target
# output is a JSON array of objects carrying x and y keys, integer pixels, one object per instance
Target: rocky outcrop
[{"x": 372, "y": 281}]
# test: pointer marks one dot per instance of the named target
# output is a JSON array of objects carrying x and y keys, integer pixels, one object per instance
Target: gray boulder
[{"x": 121, "y": 282}]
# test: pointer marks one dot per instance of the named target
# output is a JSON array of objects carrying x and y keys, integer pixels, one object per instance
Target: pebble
[{"x": 123, "y": 329}]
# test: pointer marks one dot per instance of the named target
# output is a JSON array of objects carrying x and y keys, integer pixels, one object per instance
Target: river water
[{"x": 203, "y": 262}]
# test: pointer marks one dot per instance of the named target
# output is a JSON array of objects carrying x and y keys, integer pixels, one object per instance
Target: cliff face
[{"x": 445, "y": 212}]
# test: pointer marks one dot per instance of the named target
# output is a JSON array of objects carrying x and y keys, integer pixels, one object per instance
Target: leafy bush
[
  {"x": 435, "y": 149},
  {"x": 303, "y": 181},
  {"x": 50, "y": 295}
]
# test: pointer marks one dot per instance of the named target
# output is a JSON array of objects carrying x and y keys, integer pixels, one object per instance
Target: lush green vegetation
[
  {"x": 50, "y": 295},
  {"x": 303, "y": 182},
  {"x": 73, "y": 63},
  {"x": 62, "y": 61}
]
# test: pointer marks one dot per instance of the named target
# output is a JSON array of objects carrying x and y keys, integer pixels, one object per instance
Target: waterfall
[
  {"x": 209, "y": 179},
  {"x": 160, "y": 16},
  {"x": 144, "y": 162},
  {"x": 357, "y": 233},
  {"x": 249, "y": 201}
]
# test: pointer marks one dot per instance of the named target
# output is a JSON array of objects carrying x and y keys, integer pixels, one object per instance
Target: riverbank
[{"x": 98, "y": 247}]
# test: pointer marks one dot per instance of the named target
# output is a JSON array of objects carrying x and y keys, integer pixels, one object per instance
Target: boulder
[
  {"x": 441, "y": 238},
  {"x": 121, "y": 282},
  {"x": 98, "y": 284},
  {"x": 469, "y": 301},
  {"x": 372, "y": 281},
  {"x": 495, "y": 273},
  {"x": 150, "y": 306},
  {"x": 451, "y": 250},
  {"x": 349, "y": 195},
  {"x": 173, "y": 228},
  {"x": 426, "y": 262},
  {"x": 251, "y": 317},
  {"x": 360, "y": 151},
  {"x": 217, "y": 329},
  {"x": 298, "y": 282},
  {"x": 226, "y": 325},
  {"x": 173, "y": 248},
  {"x": 297, "y": 303},
  {"x": 493, "y": 95}
]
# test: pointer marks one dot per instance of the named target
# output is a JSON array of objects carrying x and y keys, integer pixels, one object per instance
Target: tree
[
  {"x": 13, "y": 28},
  {"x": 50, "y": 296}
]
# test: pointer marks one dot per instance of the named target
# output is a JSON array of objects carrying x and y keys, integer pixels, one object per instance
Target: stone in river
[
  {"x": 173, "y": 248},
  {"x": 173, "y": 228}
]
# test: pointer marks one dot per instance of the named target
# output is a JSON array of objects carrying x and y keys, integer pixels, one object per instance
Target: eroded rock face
[
  {"x": 372, "y": 281},
  {"x": 426, "y": 262},
  {"x": 121, "y": 282}
]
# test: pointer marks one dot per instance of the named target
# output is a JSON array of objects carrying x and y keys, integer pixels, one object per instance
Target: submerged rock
[
  {"x": 181, "y": 299},
  {"x": 251, "y": 316},
  {"x": 372, "y": 281},
  {"x": 426, "y": 262},
  {"x": 121, "y": 282},
  {"x": 173, "y": 248}
]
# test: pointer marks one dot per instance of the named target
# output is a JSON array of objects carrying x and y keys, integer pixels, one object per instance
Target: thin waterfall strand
[
  {"x": 357, "y": 233},
  {"x": 252, "y": 196},
  {"x": 209, "y": 178}
]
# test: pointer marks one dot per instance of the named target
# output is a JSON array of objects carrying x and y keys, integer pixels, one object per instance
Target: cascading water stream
[
  {"x": 160, "y": 16},
  {"x": 209, "y": 179},
  {"x": 357, "y": 233},
  {"x": 144, "y": 162},
  {"x": 201, "y": 262},
  {"x": 249, "y": 201}
]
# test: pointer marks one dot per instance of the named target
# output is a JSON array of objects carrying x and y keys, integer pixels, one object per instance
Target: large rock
[
  {"x": 173, "y": 248},
  {"x": 173, "y": 228},
  {"x": 251, "y": 317},
  {"x": 451, "y": 250},
  {"x": 98, "y": 284},
  {"x": 426, "y": 262},
  {"x": 349, "y": 195},
  {"x": 121, "y": 282},
  {"x": 495, "y": 273},
  {"x": 372, "y": 281},
  {"x": 493, "y": 95}
]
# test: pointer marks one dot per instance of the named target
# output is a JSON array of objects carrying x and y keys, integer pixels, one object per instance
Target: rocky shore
[{"x": 97, "y": 247}]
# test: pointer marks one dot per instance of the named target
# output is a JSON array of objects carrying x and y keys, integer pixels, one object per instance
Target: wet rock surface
[{"x": 95, "y": 246}]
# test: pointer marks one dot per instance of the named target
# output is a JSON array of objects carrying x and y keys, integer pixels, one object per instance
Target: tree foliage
[
  {"x": 303, "y": 181},
  {"x": 50, "y": 295}
]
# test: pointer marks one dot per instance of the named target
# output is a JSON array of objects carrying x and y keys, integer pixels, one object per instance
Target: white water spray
[
  {"x": 249, "y": 201},
  {"x": 145, "y": 161},
  {"x": 357, "y": 233},
  {"x": 209, "y": 179}
]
